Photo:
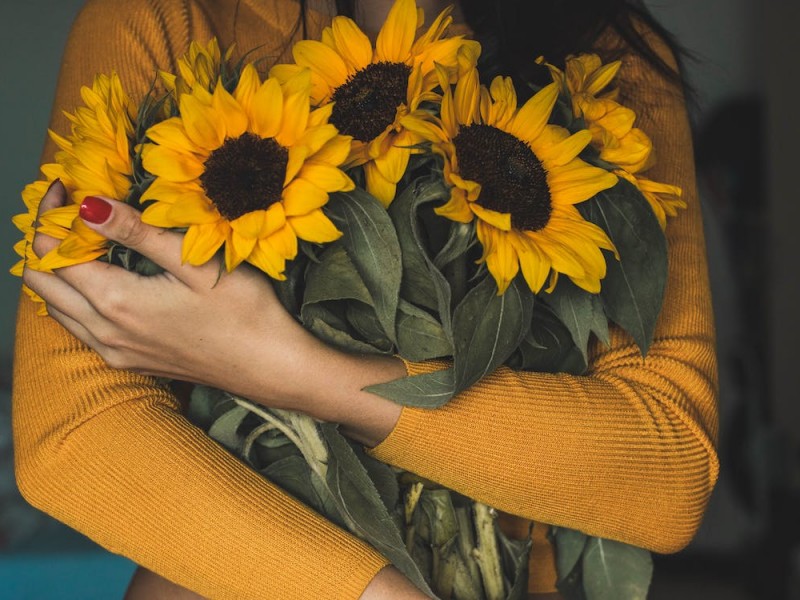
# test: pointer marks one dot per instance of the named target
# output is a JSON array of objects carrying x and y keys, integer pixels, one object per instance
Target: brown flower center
[
  {"x": 245, "y": 174},
  {"x": 367, "y": 103},
  {"x": 513, "y": 180}
]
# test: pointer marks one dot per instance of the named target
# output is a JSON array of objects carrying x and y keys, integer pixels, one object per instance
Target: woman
[{"x": 625, "y": 451}]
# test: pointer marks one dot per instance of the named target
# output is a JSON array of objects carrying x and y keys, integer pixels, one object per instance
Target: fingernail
[{"x": 95, "y": 210}]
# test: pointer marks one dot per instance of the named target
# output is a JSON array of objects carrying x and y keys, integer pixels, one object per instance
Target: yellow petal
[
  {"x": 377, "y": 185},
  {"x": 335, "y": 151},
  {"x": 170, "y": 192},
  {"x": 533, "y": 115},
  {"x": 322, "y": 60},
  {"x": 392, "y": 164},
  {"x": 201, "y": 122},
  {"x": 265, "y": 257},
  {"x": 192, "y": 209},
  {"x": 284, "y": 241},
  {"x": 172, "y": 165},
  {"x": 352, "y": 43},
  {"x": 301, "y": 197},
  {"x": 396, "y": 37},
  {"x": 295, "y": 118},
  {"x": 532, "y": 261},
  {"x": 466, "y": 101},
  {"x": 602, "y": 77},
  {"x": 246, "y": 89},
  {"x": 424, "y": 129},
  {"x": 231, "y": 115},
  {"x": 237, "y": 251},
  {"x": 171, "y": 134},
  {"x": 201, "y": 242},
  {"x": 562, "y": 152},
  {"x": 326, "y": 177},
  {"x": 457, "y": 208},
  {"x": 315, "y": 227},
  {"x": 501, "y": 259},
  {"x": 496, "y": 219},
  {"x": 578, "y": 181},
  {"x": 267, "y": 109}
]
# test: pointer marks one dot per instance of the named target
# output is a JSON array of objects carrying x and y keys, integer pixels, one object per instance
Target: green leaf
[
  {"x": 335, "y": 277},
  {"x": 600, "y": 322},
  {"x": 361, "y": 506},
  {"x": 423, "y": 284},
  {"x": 371, "y": 243},
  {"x": 364, "y": 321},
  {"x": 384, "y": 478},
  {"x": 569, "y": 545},
  {"x": 578, "y": 311},
  {"x": 225, "y": 430},
  {"x": 293, "y": 475},
  {"x": 487, "y": 328},
  {"x": 417, "y": 286},
  {"x": 429, "y": 390},
  {"x": 515, "y": 555},
  {"x": 548, "y": 346},
  {"x": 419, "y": 335},
  {"x": 615, "y": 571},
  {"x": 204, "y": 403},
  {"x": 331, "y": 328},
  {"x": 633, "y": 289}
]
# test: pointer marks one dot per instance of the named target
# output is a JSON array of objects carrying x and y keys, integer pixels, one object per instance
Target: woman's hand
[{"x": 207, "y": 326}]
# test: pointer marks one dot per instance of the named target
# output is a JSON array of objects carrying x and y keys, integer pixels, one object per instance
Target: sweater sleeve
[
  {"x": 626, "y": 451},
  {"x": 108, "y": 452}
]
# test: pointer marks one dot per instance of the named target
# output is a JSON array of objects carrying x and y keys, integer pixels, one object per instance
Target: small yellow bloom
[
  {"x": 200, "y": 66},
  {"x": 372, "y": 89},
  {"x": 521, "y": 178},
  {"x": 586, "y": 80},
  {"x": 94, "y": 159},
  {"x": 249, "y": 170}
]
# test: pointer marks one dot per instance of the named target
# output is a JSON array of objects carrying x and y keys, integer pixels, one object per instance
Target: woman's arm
[{"x": 108, "y": 451}]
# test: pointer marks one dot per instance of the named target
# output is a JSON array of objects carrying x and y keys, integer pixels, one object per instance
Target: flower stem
[{"x": 487, "y": 553}]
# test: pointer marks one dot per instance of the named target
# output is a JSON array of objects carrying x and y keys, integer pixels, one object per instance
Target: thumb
[
  {"x": 117, "y": 221},
  {"x": 122, "y": 223}
]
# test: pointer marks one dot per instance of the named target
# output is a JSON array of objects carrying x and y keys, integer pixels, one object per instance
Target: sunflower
[
  {"x": 31, "y": 196},
  {"x": 94, "y": 160},
  {"x": 372, "y": 89},
  {"x": 586, "y": 80},
  {"x": 520, "y": 177},
  {"x": 200, "y": 66},
  {"x": 250, "y": 170}
]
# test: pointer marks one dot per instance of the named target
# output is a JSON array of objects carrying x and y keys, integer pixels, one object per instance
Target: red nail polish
[{"x": 95, "y": 210}]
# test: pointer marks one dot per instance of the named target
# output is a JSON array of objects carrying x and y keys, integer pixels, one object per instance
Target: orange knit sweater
[{"x": 625, "y": 451}]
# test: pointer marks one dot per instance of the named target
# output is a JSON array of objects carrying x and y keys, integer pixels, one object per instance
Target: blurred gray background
[{"x": 746, "y": 77}]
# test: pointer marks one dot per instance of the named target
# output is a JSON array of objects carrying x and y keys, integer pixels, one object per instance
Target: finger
[
  {"x": 75, "y": 328},
  {"x": 122, "y": 223},
  {"x": 54, "y": 197},
  {"x": 60, "y": 295}
]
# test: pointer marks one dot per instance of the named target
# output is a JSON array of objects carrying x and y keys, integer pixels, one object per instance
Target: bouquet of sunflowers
[{"x": 400, "y": 207}]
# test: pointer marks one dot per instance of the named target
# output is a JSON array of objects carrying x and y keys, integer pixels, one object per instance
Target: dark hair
[{"x": 513, "y": 33}]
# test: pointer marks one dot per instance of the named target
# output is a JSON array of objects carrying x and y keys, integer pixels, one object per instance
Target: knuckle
[
  {"x": 114, "y": 304},
  {"x": 114, "y": 358},
  {"x": 131, "y": 231}
]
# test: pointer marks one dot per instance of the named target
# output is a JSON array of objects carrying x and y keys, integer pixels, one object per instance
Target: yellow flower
[
  {"x": 613, "y": 134},
  {"x": 200, "y": 66},
  {"x": 372, "y": 89},
  {"x": 250, "y": 170},
  {"x": 95, "y": 159},
  {"x": 31, "y": 196},
  {"x": 521, "y": 178},
  {"x": 664, "y": 199}
]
